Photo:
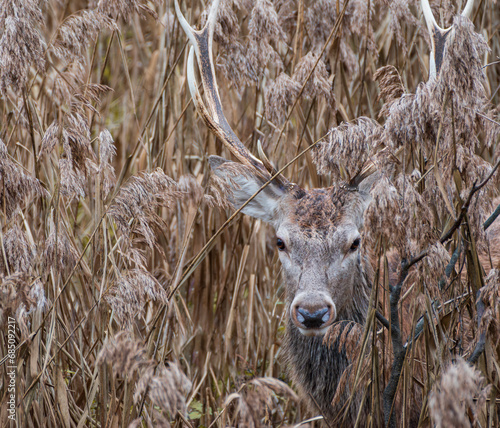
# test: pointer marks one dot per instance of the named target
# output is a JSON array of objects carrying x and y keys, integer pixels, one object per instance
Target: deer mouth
[{"x": 313, "y": 332}]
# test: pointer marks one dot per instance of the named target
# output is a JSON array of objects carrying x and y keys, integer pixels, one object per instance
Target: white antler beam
[
  {"x": 210, "y": 108},
  {"x": 439, "y": 36}
]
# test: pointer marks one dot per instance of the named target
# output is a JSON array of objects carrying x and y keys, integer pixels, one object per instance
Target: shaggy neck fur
[{"x": 316, "y": 368}]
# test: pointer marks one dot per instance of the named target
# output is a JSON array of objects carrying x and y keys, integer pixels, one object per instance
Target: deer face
[{"x": 318, "y": 237}]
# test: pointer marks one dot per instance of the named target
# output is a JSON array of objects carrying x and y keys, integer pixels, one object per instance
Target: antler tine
[
  {"x": 467, "y": 12},
  {"x": 211, "y": 110},
  {"x": 439, "y": 35}
]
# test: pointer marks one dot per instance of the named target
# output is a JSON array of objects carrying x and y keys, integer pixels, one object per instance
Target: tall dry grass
[{"x": 128, "y": 313}]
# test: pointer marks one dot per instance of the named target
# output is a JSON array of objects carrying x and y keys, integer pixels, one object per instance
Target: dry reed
[{"x": 104, "y": 206}]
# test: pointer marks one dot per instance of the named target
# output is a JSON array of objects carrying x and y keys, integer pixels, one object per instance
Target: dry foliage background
[{"x": 127, "y": 313}]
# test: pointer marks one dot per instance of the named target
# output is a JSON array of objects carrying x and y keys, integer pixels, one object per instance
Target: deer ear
[
  {"x": 242, "y": 182},
  {"x": 363, "y": 198}
]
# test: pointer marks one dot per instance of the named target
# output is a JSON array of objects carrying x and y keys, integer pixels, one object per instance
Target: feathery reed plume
[
  {"x": 358, "y": 21},
  {"x": 434, "y": 265},
  {"x": 192, "y": 192},
  {"x": 391, "y": 86},
  {"x": 77, "y": 32},
  {"x": 20, "y": 294},
  {"x": 318, "y": 84},
  {"x": 16, "y": 185},
  {"x": 280, "y": 96},
  {"x": 60, "y": 254},
  {"x": 320, "y": 18},
  {"x": 399, "y": 215},
  {"x": 490, "y": 296},
  {"x": 21, "y": 43},
  {"x": 232, "y": 58},
  {"x": 344, "y": 151},
  {"x": 265, "y": 35},
  {"x": 134, "y": 208},
  {"x": 236, "y": 66},
  {"x": 416, "y": 214},
  {"x": 72, "y": 180},
  {"x": 130, "y": 293},
  {"x": 264, "y": 23},
  {"x": 19, "y": 253},
  {"x": 382, "y": 215},
  {"x": 458, "y": 396},
  {"x": 50, "y": 138},
  {"x": 227, "y": 28},
  {"x": 88, "y": 95},
  {"x": 167, "y": 387},
  {"x": 418, "y": 117},
  {"x": 400, "y": 13},
  {"x": 78, "y": 158},
  {"x": 319, "y": 21},
  {"x": 261, "y": 401},
  {"x": 107, "y": 151},
  {"x": 220, "y": 192},
  {"x": 126, "y": 8},
  {"x": 125, "y": 355}
]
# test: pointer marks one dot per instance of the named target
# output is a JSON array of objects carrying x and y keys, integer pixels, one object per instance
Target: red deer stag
[{"x": 327, "y": 274}]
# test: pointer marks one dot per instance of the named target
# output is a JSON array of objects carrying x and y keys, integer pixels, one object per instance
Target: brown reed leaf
[{"x": 345, "y": 336}]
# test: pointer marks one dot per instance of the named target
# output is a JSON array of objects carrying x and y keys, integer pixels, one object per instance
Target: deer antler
[
  {"x": 439, "y": 35},
  {"x": 211, "y": 111}
]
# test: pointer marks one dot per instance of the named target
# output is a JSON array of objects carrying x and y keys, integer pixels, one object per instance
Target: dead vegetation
[{"x": 136, "y": 303}]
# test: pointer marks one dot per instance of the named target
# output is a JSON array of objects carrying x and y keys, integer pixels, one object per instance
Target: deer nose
[
  {"x": 312, "y": 314},
  {"x": 312, "y": 319}
]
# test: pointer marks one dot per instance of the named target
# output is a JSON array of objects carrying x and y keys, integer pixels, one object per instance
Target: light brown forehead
[{"x": 319, "y": 211}]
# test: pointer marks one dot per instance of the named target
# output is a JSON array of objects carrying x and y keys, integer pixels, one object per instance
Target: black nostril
[{"x": 312, "y": 320}]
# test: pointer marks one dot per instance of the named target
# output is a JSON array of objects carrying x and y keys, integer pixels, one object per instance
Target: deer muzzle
[{"x": 312, "y": 315}]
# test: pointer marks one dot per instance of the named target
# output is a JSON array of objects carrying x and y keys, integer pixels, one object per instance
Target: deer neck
[{"x": 316, "y": 367}]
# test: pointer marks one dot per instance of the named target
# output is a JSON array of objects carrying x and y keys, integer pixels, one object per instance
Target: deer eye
[
  {"x": 355, "y": 244},
  {"x": 280, "y": 244}
]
